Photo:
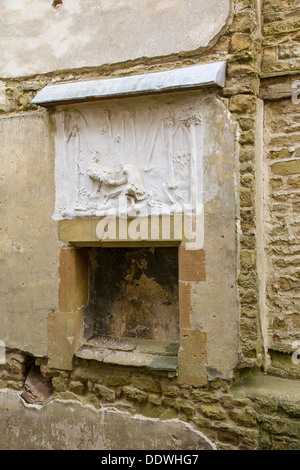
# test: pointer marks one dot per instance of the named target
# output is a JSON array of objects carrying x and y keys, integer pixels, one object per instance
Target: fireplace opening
[{"x": 133, "y": 308}]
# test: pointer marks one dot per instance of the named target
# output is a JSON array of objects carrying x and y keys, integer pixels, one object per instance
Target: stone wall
[
  {"x": 249, "y": 410},
  {"x": 281, "y": 138},
  {"x": 282, "y": 158},
  {"x": 281, "y": 48}
]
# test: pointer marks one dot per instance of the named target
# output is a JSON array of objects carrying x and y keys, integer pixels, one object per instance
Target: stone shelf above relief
[
  {"x": 187, "y": 78},
  {"x": 131, "y": 352}
]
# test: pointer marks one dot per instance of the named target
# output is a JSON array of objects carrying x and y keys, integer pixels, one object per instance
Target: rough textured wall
[
  {"x": 242, "y": 88},
  {"x": 281, "y": 24},
  {"x": 283, "y": 248}
]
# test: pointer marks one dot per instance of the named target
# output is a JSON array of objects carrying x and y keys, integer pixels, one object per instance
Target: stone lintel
[{"x": 83, "y": 233}]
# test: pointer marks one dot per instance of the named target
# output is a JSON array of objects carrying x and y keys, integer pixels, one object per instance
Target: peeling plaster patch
[{"x": 77, "y": 426}]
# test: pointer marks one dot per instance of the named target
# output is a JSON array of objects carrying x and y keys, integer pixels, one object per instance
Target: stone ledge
[
  {"x": 186, "y": 78},
  {"x": 131, "y": 352},
  {"x": 83, "y": 233},
  {"x": 260, "y": 385}
]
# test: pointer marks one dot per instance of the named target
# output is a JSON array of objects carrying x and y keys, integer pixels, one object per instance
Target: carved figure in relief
[{"x": 119, "y": 179}]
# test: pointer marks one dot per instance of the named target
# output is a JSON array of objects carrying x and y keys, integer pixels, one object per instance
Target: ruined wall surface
[{"x": 259, "y": 256}]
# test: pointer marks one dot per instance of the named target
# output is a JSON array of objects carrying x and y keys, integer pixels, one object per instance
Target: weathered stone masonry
[{"x": 258, "y": 406}]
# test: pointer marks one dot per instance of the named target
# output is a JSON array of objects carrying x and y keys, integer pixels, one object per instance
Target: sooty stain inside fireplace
[{"x": 133, "y": 293}]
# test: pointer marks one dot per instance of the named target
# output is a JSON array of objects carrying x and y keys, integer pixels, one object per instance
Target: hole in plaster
[
  {"x": 37, "y": 389},
  {"x": 57, "y": 3}
]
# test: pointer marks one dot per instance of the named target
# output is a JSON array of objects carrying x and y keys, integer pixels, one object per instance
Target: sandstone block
[{"x": 37, "y": 389}]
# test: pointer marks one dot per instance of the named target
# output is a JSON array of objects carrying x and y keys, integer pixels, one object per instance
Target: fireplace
[
  {"x": 132, "y": 315},
  {"x": 133, "y": 293}
]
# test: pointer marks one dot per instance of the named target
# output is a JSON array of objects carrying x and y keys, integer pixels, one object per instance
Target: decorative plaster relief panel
[{"x": 130, "y": 156}]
